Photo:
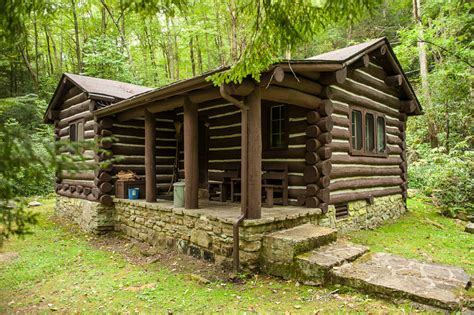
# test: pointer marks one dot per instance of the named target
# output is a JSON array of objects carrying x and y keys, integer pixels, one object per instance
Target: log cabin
[{"x": 330, "y": 127}]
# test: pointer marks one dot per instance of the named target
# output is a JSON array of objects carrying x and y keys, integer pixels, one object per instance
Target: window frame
[
  {"x": 76, "y": 123},
  {"x": 364, "y": 151},
  {"x": 268, "y": 127}
]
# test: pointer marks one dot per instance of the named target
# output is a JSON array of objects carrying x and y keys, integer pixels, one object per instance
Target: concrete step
[
  {"x": 314, "y": 265},
  {"x": 397, "y": 277},
  {"x": 280, "y": 248}
]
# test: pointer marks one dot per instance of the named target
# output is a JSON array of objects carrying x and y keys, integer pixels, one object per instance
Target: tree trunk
[
  {"x": 76, "y": 34},
  {"x": 50, "y": 59},
  {"x": 32, "y": 73},
  {"x": 35, "y": 26},
  {"x": 191, "y": 56},
  {"x": 423, "y": 60}
]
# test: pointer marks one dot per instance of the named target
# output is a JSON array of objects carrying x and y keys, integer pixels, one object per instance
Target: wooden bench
[
  {"x": 220, "y": 187},
  {"x": 275, "y": 179}
]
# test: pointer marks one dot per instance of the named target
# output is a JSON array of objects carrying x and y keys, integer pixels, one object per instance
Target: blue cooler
[{"x": 133, "y": 193}]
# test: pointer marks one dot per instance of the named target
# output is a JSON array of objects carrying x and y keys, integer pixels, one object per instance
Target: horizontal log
[
  {"x": 311, "y": 158},
  {"x": 394, "y": 80},
  {"x": 349, "y": 159},
  {"x": 293, "y": 193},
  {"x": 363, "y": 102},
  {"x": 312, "y": 202},
  {"x": 292, "y": 153},
  {"x": 353, "y": 171},
  {"x": 346, "y": 197},
  {"x": 325, "y": 124},
  {"x": 362, "y": 77},
  {"x": 323, "y": 195},
  {"x": 364, "y": 183},
  {"x": 313, "y": 131},
  {"x": 106, "y": 200},
  {"x": 324, "y": 167},
  {"x": 310, "y": 67},
  {"x": 325, "y": 138},
  {"x": 375, "y": 72},
  {"x": 408, "y": 106},
  {"x": 326, "y": 108},
  {"x": 342, "y": 134},
  {"x": 336, "y": 77},
  {"x": 66, "y": 121},
  {"x": 312, "y": 145},
  {"x": 361, "y": 62},
  {"x": 312, "y": 117},
  {"x": 89, "y": 175},
  {"x": 104, "y": 176},
  {"x": 73, "y": 91},
  {"x": 362, "y": 90},
  {"x": 140, "y": 169},
  {"x": 75, "y": 109},
  {"x": 312, "y": 190},
  {"x": 73, "y": 100},
  {"x": 324, "y": 181},
  {"x": 300, "y": 200},
  {"x": 83, "y": 183},
  {"x": 124, "y": 149},
  {"x": 290, "y": 96},
  {"x": 324, "y": 152},
  {"x": 310, "y": 174},
  {"x": 341, "y": 109},
  {"x": 299, "y": 83}
]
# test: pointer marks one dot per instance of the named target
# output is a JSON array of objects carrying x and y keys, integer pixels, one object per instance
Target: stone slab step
[
  {"x": 283, "y": 246},
  {"x": 315, "y": 264},
  {"x": 390, "y": 275}
]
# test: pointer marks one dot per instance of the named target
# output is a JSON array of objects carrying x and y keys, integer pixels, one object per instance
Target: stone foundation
[
  {"x": 201, "y": 235},
  {"x": 208, "y": 234},
  {"x": 363, "y": 215},
  {"x": 89, "y": 215}
]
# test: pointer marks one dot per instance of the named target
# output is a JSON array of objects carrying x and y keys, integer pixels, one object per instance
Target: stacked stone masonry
[{"x": 207, "y": 236}]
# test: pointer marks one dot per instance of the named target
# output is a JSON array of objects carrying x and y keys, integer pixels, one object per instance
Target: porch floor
[{"x": 227, "y": 212}]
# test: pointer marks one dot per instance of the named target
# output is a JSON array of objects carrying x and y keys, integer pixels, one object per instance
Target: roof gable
[{"x": 96, "y": 88}]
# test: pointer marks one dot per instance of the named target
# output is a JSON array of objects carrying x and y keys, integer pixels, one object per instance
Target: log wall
[
  {"x": 128, "y": 148},
  {"x": 363, "y": 177},
  {"x": 76, "y": 106}
]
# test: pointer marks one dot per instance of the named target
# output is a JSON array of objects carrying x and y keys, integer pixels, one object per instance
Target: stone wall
[
  {"x": 363, "y": 215},
  {"x": 198, "y": 234},
  {"x": 89, "y": 215},
  {"x": 209, "y": 235}
]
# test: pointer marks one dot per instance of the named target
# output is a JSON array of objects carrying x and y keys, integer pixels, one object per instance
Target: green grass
[
  {"x": 61, "y": 270},
  {"x": 423, "y": 234}
]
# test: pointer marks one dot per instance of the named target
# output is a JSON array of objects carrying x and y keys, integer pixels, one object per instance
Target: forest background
[{"x": 155, "y": 43}]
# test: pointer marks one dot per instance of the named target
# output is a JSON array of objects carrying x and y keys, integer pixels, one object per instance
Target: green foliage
[
  {"x": 447, "y": 178},
  {"x": 103, "y": 59}
]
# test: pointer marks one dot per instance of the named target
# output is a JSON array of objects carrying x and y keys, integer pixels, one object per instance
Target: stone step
[
  {"x": 280, "y": 248},
  {"x": 397, "y": 277},
  {"x": 314, "y": 265}
]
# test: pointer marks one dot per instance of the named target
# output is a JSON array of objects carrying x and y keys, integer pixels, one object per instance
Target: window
[
  {"x": 72, "y": 133},
  {"x": 367, "y": 133},
  {"x": 381, "y": 141},
  {"x": 278, "y": 132},
  {"x": 356, "y": 130},
  {"x": 76, "y": 131}
]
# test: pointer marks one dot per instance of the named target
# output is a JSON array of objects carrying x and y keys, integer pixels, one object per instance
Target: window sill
[{"x": 369, "y": 154}]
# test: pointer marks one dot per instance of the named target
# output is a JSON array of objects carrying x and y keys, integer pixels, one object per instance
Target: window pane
[
  {"x": 80, "y": 131},
  {"x": 356, "y": 130},
  {"x": 369, "y": 132},
  {"x": 277, "y": 126},
  {"x": 72, "y": 133},
  {"x": 381, "y": 135}
]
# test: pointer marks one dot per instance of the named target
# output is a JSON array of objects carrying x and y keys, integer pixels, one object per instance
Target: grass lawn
[
  {"x": 423, "y": 234},
  {"x": 61, "y": 269}
]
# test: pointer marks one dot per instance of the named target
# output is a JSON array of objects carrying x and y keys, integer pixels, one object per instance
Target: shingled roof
[{"x": 96, "y": 88}]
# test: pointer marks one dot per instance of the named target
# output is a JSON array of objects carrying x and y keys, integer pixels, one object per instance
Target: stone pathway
[
  {"x": 394, "y": 276},
  {"x": 313, "y": 254}
]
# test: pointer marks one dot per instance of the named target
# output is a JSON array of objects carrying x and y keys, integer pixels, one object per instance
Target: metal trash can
[{"x": 178, "y": 195}]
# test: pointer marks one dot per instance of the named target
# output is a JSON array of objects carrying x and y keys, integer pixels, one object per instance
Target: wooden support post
[
  {"x": 191, "y": 155},
  {"x": 253, "y": 101},
  {"x": 150, "y": 162}
]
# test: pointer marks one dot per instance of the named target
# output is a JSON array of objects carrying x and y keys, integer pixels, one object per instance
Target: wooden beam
[
  {"x": 311, "y": 67},
  {"x": 407, "y": 106},
  {"x": 336, "y": 77},
  {"x": 253, "y": 101},
  {"x": 299, "y": 83},
  {"x": 150, "y": 162},
  {"x": 290, "y": 96},
  {"x": 362, "y": 62},
  {"x": 394, "y": 80},
  {"x": 191, "y": 155}
]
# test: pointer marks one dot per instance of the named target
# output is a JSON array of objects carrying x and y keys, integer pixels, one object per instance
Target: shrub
[{"x": 447, "y": 178}]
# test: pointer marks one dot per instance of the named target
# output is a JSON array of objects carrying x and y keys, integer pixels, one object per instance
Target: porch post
[
  {"x": 254, "y": 147},
  {"x": 191, "y": 155},
  {"x": 150, "y": 163}
]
